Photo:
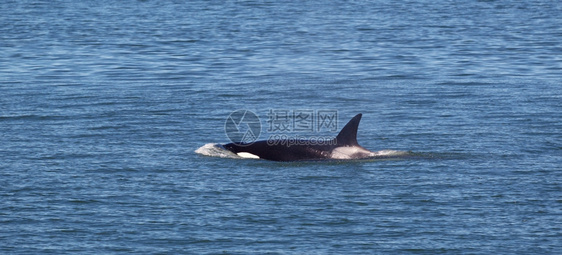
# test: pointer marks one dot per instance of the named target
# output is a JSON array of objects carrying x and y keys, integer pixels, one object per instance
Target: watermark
[
  {"x": 303, "y": 120},
  {"x": 289, "y": 141},
  {"x": 243, "y": 127}
]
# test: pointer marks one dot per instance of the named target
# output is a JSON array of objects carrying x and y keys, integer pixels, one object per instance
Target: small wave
[
  {"x": 215, "y": 150},
  {"x": 391, "y": 153}
]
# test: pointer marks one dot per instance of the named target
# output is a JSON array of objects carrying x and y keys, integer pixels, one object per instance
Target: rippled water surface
[{"x": 103, "y": 104}]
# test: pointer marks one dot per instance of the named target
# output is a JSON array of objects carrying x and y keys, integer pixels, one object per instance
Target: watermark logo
[{"x": 242, "y": 127}]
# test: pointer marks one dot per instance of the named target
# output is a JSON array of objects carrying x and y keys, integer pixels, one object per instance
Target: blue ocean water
[{"x": 103, "y": 103}]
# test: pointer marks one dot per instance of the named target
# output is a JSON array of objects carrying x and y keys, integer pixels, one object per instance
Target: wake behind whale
[{"x": 343, "y": 147}]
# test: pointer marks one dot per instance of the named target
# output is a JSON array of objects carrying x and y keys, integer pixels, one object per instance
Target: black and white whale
[{"x": 343, "y": 146}]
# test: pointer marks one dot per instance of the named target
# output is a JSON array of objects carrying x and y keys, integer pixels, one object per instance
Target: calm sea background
[{"x": 103, "y": 103}]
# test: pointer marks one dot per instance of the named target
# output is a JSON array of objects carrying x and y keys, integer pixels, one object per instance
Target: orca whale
[{"x": 343, "y": 146}]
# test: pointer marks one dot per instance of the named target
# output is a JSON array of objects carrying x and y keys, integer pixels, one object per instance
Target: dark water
[{"x": 103, "y": 103}]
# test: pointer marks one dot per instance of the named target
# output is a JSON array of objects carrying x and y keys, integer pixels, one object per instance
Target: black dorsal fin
[{"x": 348, "y": 134}]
